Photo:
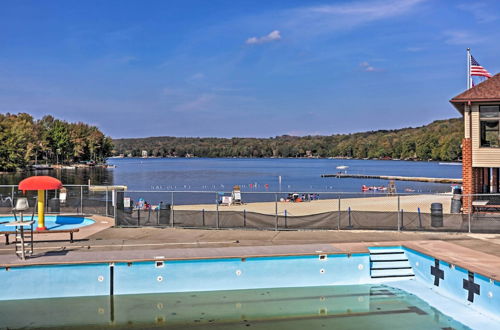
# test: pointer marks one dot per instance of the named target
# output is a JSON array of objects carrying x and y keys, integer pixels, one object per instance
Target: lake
[{"x": 209, "y": 174}]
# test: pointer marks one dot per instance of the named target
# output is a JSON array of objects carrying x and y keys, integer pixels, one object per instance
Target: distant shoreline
[{"x": 454, "y": 162}]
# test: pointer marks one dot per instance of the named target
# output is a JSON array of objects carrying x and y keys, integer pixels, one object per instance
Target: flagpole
[{"x": 469, "y": 78}]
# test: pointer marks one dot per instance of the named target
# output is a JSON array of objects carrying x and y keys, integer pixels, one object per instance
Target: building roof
[{"x": 487, "y": 91}]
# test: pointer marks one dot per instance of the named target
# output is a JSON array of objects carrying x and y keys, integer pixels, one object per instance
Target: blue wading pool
[
  {"x": 387, "y": 288},
  {"x": 52, "y": 222}
]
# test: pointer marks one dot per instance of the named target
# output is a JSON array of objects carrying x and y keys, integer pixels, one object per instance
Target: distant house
[
  {"x": 480, "y": 107},
  {"x": 144, "y": 154}
]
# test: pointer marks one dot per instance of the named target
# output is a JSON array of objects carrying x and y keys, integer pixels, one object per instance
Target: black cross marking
[
  {"x": 438, "y": 273},
  {"x": 472, "y": 287}
]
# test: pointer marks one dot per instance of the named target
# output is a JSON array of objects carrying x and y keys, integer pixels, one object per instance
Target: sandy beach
[{"x": 409, "y": 203}]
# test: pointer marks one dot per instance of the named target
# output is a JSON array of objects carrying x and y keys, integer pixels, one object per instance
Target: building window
[{"x": 489, "y": 116}]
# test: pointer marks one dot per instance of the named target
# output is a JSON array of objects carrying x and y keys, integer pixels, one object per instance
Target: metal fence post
[
  {"x": 158, "y": 214},
  {"x": 244, "y": 218},
  {"x": 349, "y": 215},
  {"x": 339, "y": 215},
  {"x": 399, "y": 213},
  {"x": 12, "y": 197},
  {"x": 276, "y": 210},
  {"x": 286, "y": 223},
  {"x": 107, "y": 200},
  {"x": 172, "y": 213},
  {"x": 81, "y": 199},
  {"x": 115, "y": 199},
  {"x": 203, "y": 217},
  {"x": 470, "y": 213},
  {"x": 217, "y": 210}
]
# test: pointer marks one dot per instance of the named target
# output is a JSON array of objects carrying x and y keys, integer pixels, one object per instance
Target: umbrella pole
[{"x": 41, "y": 210}]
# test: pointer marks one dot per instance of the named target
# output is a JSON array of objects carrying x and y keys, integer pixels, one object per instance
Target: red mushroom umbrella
[{"x": 40, "y": 183}]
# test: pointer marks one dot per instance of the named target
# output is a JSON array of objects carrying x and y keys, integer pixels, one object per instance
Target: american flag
[{"x": 477, "y": 70}]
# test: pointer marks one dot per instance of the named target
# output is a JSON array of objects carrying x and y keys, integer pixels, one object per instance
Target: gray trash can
[
  {"x": 164, "y": 218},
  {"x": 54, "y": 205},
  {"x": 437, "y": 215},
  {"x": 456, "y": 204}
]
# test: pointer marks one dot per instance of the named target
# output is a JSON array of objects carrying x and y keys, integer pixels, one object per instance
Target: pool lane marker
[
  {"x": 436, "y": 272},
  {"x": 111, "y": 278},
  {"x": 471, "y": 287}
]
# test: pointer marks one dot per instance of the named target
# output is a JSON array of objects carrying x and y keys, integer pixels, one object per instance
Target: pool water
[
  {"x": 52, "y": 222},
  {"x": 328, "y": 307}
]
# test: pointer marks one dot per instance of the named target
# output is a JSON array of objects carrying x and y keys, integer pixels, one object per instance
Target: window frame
[{"x": 489, "y": 119}]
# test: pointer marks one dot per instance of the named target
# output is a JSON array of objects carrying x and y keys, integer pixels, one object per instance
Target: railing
[{"x": 320, "y": 210}]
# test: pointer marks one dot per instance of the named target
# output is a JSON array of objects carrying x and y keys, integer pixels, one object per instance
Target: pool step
[
  {"x": 390, "y": 263},
  {"x": 400, "y": 256}
]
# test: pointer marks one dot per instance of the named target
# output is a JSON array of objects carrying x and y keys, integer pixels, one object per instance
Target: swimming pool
[
  {"x": 330, "y": 307},
  {"x": 52, "y": 222},
  {"x": 387, "y": 286}
]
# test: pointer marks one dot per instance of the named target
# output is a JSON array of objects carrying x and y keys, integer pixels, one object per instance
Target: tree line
[
  {"x": 439, "y": 140},
  {"x": 25, "y": 141}
]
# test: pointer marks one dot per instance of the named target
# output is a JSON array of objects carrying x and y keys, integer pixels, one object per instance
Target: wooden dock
[{"x": 391, "y": 177}]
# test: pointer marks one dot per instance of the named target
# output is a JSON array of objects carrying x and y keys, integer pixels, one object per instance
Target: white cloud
[
  {"x": 199, "y": 103},
  {"x": 196, "y": 77},
  {"x": 414, "y": 49},
  {"x": 371, "y": 10},
  {"x": 479, "y": 12},
  {"x": 328, "y": 18},
  {"x": 168, "y": 91},
  {"x": 272, "y": 36},
  {"x": 461, "y": 38},
  {"x": 368, "y": 67},
  {"x": 126, "y": 59}
]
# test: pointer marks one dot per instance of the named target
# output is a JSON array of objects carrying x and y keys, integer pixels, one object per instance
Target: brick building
[{"x": 480, "y": 107}]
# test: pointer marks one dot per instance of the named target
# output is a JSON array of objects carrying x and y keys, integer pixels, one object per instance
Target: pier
[{"x": 391, "y": 177}]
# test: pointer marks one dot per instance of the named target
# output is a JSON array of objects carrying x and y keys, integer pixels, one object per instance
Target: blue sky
[{"x": 242, "y": 68}]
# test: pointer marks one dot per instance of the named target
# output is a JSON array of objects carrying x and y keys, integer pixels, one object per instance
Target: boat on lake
[{"x": 365, "y": 188}]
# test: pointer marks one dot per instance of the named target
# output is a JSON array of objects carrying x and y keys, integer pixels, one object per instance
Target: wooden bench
[{"x": 61, "y": 231}]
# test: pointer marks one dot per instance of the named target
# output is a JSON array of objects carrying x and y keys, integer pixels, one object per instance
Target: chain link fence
[
  {"x": 271, "y": 210},
  {"x": 300, "y": 211},
  {"x": 72, "y": 199}
]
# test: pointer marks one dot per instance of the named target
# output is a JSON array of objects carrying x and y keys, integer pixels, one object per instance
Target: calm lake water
[{"x": 203, "y": 174}]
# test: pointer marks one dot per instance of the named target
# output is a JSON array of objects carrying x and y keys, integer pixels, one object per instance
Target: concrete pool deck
[{"x": 479, "y": 253}]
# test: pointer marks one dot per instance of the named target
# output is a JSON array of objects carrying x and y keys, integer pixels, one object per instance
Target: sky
[{"x": 247, "y": 68}]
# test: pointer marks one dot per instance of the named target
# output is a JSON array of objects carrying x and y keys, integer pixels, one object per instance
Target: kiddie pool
[{"x": 52, "y": 222}]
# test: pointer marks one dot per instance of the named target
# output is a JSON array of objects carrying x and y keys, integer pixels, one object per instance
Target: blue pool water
[{"x": 52, "y": 222}]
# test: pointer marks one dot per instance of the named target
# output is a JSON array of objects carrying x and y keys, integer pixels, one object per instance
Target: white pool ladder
[{"x": 24, "y": 236}]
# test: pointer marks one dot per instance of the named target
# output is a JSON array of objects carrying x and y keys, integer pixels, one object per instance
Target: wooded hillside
[
  {"x": 439, "y": 140},
  {"x": 25, "y": 141}
]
